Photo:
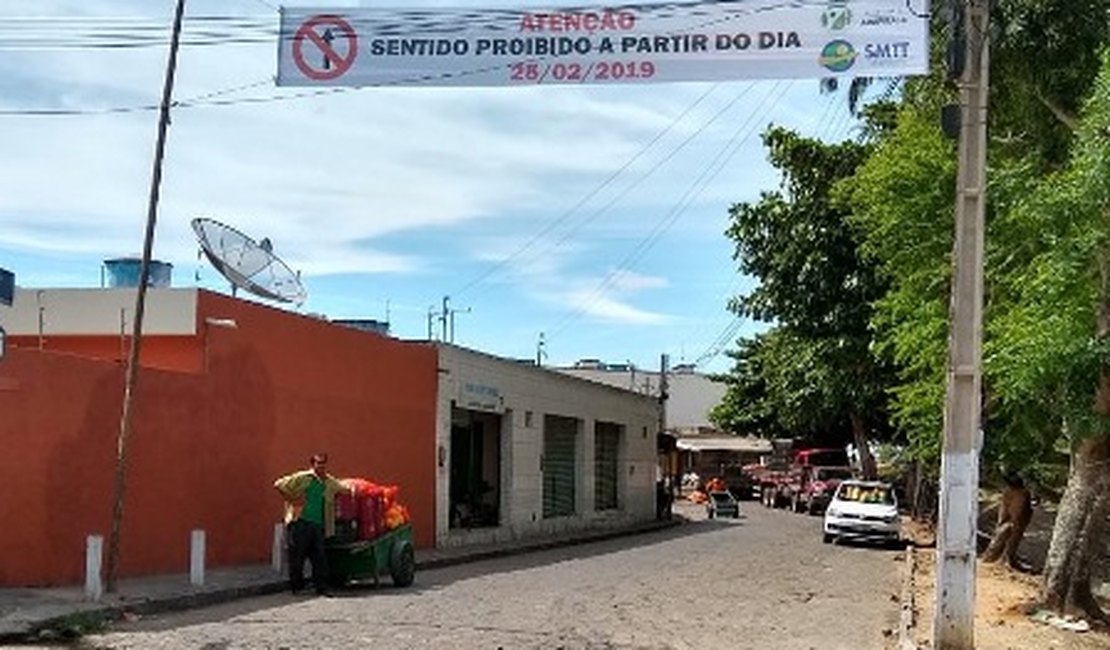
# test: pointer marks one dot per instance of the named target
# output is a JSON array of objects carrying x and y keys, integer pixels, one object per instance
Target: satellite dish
[{"x": 248, "y": 264}]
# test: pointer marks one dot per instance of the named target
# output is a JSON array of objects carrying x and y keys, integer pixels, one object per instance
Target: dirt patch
[{"x": 1004, "y": 601}]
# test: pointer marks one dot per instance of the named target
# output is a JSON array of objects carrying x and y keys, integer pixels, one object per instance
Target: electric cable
[
  {"x": 585, "y": 199},
  {"x": 655, "y": 167},
  {"x": 698, "y": 185},
  {"x": 91, "y": 32}
]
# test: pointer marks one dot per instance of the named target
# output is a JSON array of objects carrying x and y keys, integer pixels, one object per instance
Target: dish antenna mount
[{"x": 248, "y": 264}]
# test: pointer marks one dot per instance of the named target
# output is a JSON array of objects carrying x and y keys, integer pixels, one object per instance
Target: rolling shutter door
[
  {"x": 559, "y": 438},
  {"x": 607, "y": 439}
]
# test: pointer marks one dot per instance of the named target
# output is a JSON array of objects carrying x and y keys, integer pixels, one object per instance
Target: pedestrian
[{"x": 310, "y": 518}]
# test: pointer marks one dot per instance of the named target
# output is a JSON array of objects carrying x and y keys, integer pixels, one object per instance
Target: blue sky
[{"x": 387, "y": 200}]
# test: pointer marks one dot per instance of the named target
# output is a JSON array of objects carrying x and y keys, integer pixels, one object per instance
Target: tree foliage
[
  {"x": 901, "y": 201},
  {"x": 814, "y": 371},
  {"x": 1044, "y": 58},
  {"x": 853, "y": 255}
]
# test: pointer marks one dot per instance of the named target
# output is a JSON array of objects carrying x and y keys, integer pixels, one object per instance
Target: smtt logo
[
  {"x": 887, "y": 50},
  {"x": 837, "y": 15},
  {"x": 838, "y": 55}
]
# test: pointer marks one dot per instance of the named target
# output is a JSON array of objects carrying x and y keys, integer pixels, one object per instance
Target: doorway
[{"x": 475, "y": 484}]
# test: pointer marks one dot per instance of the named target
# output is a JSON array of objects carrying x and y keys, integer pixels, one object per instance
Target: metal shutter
[
  {"x": 559, "y": 438},
  {"x": 607, "y": 440}
]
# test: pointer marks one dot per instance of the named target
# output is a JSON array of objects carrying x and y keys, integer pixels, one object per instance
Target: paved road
[{"x": 764, "y": 581}]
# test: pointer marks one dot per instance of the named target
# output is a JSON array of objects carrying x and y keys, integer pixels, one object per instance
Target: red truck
[{"x": 805, "y": 482}]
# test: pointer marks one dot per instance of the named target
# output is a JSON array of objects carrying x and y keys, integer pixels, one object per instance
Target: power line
[
  {"x": 205, "y": 99},
  {"x": 698, "y": 185},
  {"x": 585, "y": 199},
  {"x": 104, "y": 32},
  {"x": 671, "y": 154},
  {"x": 655, "y": 166},
  {"x": 723, "y": 339}
]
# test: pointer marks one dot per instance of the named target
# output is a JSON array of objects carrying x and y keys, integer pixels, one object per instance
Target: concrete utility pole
[
  {"x": 664, "y": 368},
  {"x": 443, "y": 319},
  {"x": 451, "y": 338},
  {"x": 664, "y": 386},
  {"x": 140, "y": 302},
  {"x": 954, "y": 618}
]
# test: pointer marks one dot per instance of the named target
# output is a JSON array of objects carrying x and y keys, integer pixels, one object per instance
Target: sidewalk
[{"x": 24, "y": 612}]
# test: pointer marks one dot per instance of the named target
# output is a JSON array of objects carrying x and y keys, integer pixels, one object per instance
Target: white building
[
  {"x": 690, "y": 395},
  {"x": 525, "y": 452}
]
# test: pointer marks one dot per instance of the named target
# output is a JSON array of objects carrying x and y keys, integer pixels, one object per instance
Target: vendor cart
[{"x": 391, "y": 551}]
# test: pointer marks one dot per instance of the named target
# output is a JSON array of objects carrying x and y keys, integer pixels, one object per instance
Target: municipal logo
[
  {"x": 836, "y": 15},
  {"x": 838, "y": 55}
]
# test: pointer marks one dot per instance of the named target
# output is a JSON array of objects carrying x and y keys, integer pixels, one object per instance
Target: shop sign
[{"x": 477, "y": 396}]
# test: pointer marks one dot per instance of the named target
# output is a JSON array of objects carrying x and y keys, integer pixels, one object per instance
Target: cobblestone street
[{"x": 763, "y": 581}]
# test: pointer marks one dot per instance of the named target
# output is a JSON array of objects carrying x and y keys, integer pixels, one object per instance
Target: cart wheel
[{"x": 402, "y": 566}]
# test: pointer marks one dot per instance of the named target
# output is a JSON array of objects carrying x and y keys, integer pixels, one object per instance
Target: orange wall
[
  {"x": 206, "y": 445},
  {"x": 183, "y": 353}
]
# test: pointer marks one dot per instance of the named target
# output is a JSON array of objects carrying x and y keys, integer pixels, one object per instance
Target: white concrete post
[
  {"x": 277, "y": 553},
  {"x": 196, "y": 558},
  {"x": 954, "y": 611},
  {"x": 94, "y": 551}
]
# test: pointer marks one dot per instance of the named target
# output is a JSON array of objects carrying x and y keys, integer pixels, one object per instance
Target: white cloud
[
  {"x": 609, "y": 309},
  {"x": 413, "y": 183},
  {"x": 326, "y": 175},
  {"x": 623, "y": 280}
]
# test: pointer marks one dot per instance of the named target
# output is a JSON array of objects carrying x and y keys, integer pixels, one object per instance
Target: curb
[
  {"x": 543, "y": 545},
  {"x": 45, "y": 629},
  {"x": 906, "y": 622}
]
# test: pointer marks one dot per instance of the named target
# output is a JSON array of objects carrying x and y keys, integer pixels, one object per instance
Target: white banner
[{"x": 633, "y": 43}]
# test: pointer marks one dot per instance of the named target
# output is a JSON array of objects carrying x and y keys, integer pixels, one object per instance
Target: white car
[{"x": 863, "y": 510}]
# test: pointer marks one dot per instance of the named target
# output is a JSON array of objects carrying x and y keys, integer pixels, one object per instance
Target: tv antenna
[{"x": 247, "y": 264}]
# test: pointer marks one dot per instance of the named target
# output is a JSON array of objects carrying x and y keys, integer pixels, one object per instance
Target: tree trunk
[
  {"x": 866, "y": 460},
  {"x": 1015, "y": 510},
  {"x": 1077, "y": 535}
]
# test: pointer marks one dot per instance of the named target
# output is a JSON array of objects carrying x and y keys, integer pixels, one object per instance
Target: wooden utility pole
[
  {"x": 954, "y": 618},
  {"x": 140, "y": 303}
]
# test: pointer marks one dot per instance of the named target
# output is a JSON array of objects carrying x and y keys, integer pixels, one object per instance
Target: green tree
[
  {"x": 901, "y": 200},
  {"x": 1047, "y": 318},
  {"x": 816, "y": 370},
  {"x": 777, "y": 389},
  {"x": 1050, "y": 344}
]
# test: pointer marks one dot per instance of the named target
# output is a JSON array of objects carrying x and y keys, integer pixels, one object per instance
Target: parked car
[
  {"x": 722, "y": 504},
  {"x": 817, "y": 486},
  {"x": 866, "y": 510}
]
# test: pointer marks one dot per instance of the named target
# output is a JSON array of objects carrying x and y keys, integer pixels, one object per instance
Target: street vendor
[{"x": 310, "y": 518}]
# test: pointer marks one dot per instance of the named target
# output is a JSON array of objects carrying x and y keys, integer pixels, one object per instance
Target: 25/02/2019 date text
[{"x": 538, "y": 73}]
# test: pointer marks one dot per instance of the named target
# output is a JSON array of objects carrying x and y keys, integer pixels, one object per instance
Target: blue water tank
[
  {"x": 365, "y": 324},
  {"x": 124, "y": 272}
]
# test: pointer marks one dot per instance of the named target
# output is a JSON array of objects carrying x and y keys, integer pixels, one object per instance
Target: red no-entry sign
[{"x": 323, "y": 61}]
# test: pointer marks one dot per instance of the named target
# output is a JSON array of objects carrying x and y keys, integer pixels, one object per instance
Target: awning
[{"x": 731, "y": 443}]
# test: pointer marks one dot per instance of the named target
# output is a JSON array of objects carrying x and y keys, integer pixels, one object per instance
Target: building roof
[{"x": 726, "y": 443}]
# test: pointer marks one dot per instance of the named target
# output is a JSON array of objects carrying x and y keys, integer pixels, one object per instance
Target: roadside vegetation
[{"x": 852, "y": 253}]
